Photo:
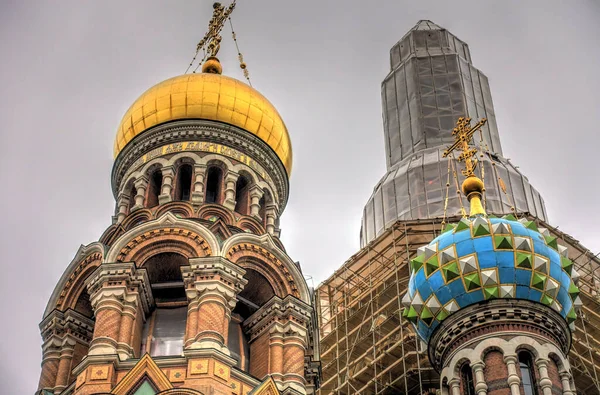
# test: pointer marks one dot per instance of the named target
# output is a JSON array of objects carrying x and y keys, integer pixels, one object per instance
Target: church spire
[{"x": 472, "y": 186}]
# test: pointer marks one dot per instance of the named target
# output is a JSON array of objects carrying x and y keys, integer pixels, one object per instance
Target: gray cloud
[{"x": 70, "y": 69}]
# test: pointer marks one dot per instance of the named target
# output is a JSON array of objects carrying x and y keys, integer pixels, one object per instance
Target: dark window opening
[
  {"x": 83, "y": 305},
  {"x": 261, "y": 209},
  {"x": 132, "y": 195},
  {"x": 466, "y": 375},
  {"x": 154, "y": 189},
  {"x": 237, "y": 343},
  {"x": 213, "y": 185},
  {"x": 242, "y": 203},
  {"x": 527, "y": 376},
  {"x": 164, "y": 330},
  {"x": 183, "y": 186}
]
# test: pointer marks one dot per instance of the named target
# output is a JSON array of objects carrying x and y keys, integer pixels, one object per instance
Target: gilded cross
[
  {"x": 463, "y": 133},
  {"x": 212, "y": 39}
]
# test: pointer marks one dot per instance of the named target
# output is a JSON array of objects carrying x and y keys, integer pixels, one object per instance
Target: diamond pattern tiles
[{"x": 486, "y": 258}]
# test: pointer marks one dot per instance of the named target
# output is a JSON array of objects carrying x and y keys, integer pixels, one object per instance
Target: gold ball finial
[
  {"x": 472, "y": 184},
  {"x": 212, "y": 65}
]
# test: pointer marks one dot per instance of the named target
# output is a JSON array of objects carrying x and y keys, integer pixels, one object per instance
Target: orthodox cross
[
  {"x": 463, "y": 133},
  {"x": 212, "y": 39}
]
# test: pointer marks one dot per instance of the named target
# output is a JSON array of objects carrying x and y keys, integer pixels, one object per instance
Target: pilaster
[
  {"x": 280, "y": 326},
  {"x": 565, "y": 379},
  {"x": 513, "y": 378},
  {"x": 480, "y": 385},
  {"x": 168, "y": 175},
  {"x": 255, "y": 193},
  {"x": 545, "y": 382},
  {"x": 117, "y": 290},
  {"x": 122, "y": 206},
  {"x": 230, "y": 180},
  {"x": 271, "y": 213},
  {"x": 198, "y": 187},
  {"x": 141, "y": 184},
  {"x": 63, "y": 333},
  {"x": 212, "y": 284}
]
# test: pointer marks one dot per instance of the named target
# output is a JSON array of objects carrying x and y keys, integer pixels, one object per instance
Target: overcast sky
[{"x": 70, "y": 69}]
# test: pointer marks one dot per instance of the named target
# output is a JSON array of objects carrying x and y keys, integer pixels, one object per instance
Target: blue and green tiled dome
[{"x": 483, "y": 258}]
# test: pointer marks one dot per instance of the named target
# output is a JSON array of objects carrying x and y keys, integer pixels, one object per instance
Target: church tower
[
  {"x": 494, "y": 299},
  {"x": 432, "y": 82},
  {"x": 190, "y": 290}
]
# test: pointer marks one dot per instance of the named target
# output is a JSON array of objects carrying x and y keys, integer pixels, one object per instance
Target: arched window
[
  {"x": 213, "y": 185},
  {"x": 164, "y": 330},
  {"x": 154, "y": 189},
  {"x": 242, "y": 202},
  {"x": 466, "y": 376},
  {"x": 527, "y": 375},
  {"x": 183, "y": 185}
]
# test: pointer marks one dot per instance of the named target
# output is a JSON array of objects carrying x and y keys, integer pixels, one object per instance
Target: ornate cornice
[
  {"x": 289, "y": 315},
  {"x": 202, "y": 130},
  {"x": 497, "y": 317},
  {"x": 120, "y": 281}
]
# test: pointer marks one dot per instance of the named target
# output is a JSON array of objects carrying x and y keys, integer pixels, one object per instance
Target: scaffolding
[{"x": 367, "y": 347}]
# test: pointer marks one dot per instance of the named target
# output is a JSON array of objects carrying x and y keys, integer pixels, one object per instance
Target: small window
[
  {"x": 183, "y": 184},
  {"x": 241, "y": 195},
  {"x": 213, "y": 185},
  {"x": 154, "y": 189},
  {"x": 527, "y": 375},
  {"x": 132, "y": 195},
  {"x": 466, "y": 374}
]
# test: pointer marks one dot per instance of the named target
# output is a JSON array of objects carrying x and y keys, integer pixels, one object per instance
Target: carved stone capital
[
  {"x": 120, "y": 283},
  {"x": 289, "y": 316},
  {"x": 214, "y": 276}
]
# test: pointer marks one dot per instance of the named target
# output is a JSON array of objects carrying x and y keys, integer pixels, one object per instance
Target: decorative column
[
  {"x": 198, "y": 187},
  {"x": 271, "y": 213},
  {"x": 480, "y": 385},
  {"x": 116, "y": 291},
  {"x": 140, "y": 186},
  {"x": 168, "y": 175},
  {"x": 211, "y": 284},
  {"x": 65, "y": 334},
  {"x": 50, "y": 361},
  {"x": 565, "y": 379},
  {"x": 455, "y": 386},
  {"x": 545, "y": 382},
  {"x": 230, "y": 180},
  {"x": 122, "y": 206},
  {"x": 513, "y": 378},
  {"x": 280, "y": 326},
  {"x": 255, "y": 193},
  {"x": 64, "y": 365}
]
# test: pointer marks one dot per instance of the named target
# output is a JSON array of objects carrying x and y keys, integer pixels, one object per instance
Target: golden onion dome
[{"x": 209, "y": 96}]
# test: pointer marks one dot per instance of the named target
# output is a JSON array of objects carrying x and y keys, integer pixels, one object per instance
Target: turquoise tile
[
  {"x": 464, "y": 247},
  {"x": 444, "y": 294},
  {"x": 436, "y": 280},
  {"x": 506, "y": 275},
  {"x": 523, "y": 277},
  {"x": 483, "y": 244},
  {"x": 522, "y": 292}
]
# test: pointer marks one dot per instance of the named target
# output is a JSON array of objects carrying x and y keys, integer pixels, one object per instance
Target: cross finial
[
  {"x": 463, "y": 133},
  {"x": 212, "y": 39}
]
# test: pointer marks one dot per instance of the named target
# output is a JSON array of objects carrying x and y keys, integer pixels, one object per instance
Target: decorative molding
[
  {"x": 507, "y": 316},
  {"x": 201, "y": 130}
]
